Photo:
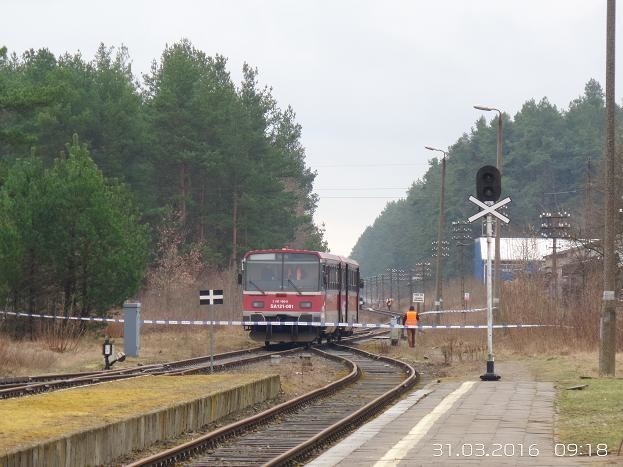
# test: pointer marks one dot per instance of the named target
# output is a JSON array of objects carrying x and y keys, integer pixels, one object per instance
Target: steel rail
[
  {"x": 301, "y": 451},
  {"x": 202, "y": 443},
  {"x": 198, "y": 364}
]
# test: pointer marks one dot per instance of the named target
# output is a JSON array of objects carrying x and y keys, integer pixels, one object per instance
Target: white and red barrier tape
[
  {"x": 435, "y": 312},
  {"x": 278, "y": 323},
  {"x": 471, "y": 310}
]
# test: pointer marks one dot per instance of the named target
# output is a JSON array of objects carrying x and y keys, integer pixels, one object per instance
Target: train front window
[
  {"x": 301, "y": 272},
  {"x": 296, "y": 272}
]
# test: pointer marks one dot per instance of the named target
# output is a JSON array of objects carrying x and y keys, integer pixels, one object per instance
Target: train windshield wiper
[
  {"x": 257, "y": 287},
  {"x": 295, "y": 287}
]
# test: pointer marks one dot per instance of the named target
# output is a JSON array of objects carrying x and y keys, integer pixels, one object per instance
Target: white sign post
[
  {"x": 211, "y": 298},
  {"x": 489, "y": 209},
  {"x": 418, "y": 297}
]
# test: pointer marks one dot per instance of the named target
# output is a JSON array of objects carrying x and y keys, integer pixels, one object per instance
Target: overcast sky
[{"x": 372, "y": 82}]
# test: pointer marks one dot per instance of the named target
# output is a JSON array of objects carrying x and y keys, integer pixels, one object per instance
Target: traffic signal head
[{"x": 488, "y": 183}]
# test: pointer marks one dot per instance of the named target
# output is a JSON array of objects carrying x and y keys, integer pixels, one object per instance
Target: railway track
[
  {"x": 391, "y": 314},
  {"x": 293, "y": 431},
  {"x": 38, "y": 384},
  {"x": 23, "y": 386}
]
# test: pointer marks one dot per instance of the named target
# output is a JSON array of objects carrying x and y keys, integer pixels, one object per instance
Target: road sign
[
  {"x": 211, "y": 297},
  {"x": 489, "y": 209},
  {"x": 418, "y": 297}
]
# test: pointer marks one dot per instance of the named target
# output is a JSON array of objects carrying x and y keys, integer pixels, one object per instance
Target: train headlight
[
  {"x": 305, "y": 304},
  {"x": 257, "y": 304}
]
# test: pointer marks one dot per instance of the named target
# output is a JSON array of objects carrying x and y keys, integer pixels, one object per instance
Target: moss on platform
[{"x": 29, "y": 420}]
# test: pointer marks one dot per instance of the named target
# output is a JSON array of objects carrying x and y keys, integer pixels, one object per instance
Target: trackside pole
[
  {"x": 490, "y": 373},
  {"x": 211, "y": 314},
  {"x": 211, "y": 297},
  {"x": 488, "y": 190}
]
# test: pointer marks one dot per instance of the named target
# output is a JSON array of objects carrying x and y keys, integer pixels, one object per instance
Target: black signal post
[
  {"x": 488, "y": 183},
  {"x": 488, "y": 190}
]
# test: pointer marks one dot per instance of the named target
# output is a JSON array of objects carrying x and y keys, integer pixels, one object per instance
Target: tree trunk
[
  {"x": 234, "y": 233},
  {"x": 202, "y": 220},
  {"x": 184, "y": 189}
]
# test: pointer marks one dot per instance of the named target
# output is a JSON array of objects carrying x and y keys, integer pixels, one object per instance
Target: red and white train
[{"x": 289, "y": 285}]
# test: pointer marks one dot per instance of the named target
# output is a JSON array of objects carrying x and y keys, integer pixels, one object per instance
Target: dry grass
[
  {"x": 21, "y": 358},
  {"x": 15, "y": 356},
  {"x": 78, "y": 409},
  {"x": 575, "y": 316},
  {"x": 176, "y": 343}
]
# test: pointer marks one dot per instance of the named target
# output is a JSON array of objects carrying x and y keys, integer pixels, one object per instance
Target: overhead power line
[
  {"x": 361, "y": 197},
  {"x": 361, "y": 189},
  {"x": 367, "y": 165}
]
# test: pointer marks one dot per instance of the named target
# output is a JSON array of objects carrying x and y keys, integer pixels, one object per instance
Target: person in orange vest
[{"x": 411, "y": 319}]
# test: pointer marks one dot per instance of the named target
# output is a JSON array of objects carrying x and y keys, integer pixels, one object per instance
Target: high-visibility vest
[{"x": 412, "y": 318}]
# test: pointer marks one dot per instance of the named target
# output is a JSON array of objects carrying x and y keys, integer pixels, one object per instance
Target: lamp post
[
  {"x": 438, "y": 279},
  {"x": 498, "y": 165}
]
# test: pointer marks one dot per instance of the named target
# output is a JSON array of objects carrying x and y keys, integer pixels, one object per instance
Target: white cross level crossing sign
[
  {"x": 210, "y": 297},
  {"x": 489, "y": 209}
]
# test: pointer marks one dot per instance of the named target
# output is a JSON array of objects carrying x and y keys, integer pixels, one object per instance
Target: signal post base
[{"x": 490, "y": 374}]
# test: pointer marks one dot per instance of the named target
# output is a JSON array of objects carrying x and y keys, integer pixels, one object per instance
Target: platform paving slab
[{"x": 461, "y": 423}]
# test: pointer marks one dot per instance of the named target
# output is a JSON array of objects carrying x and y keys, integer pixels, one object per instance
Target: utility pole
[
  {"x": 462, "y": 234},
  {"x": 438, "y": 272},
  {"x": 399, "y": 277},
  {"x": 439, "y": 251},
  {"x": 587, "y": 201},
  {"x": 383, "y": 297},
  {"x": 607, "y": 324},
  {"x": 422, "y": 272},
  {"x": 555, "y": 226},
  {"x": 411, "y": 273}
]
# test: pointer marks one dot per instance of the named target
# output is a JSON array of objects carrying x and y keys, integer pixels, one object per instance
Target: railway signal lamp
[
  {"x": 488, "y": 183},
  {"x": 107, "y": 350}
]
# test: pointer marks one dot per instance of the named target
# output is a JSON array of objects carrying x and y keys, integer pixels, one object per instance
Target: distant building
[
  {"x": 574, "y": 266},
  {"x": 517, "y": 255}
]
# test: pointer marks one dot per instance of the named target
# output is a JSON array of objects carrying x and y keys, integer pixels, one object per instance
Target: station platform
[{"x": 462, "y": 423}]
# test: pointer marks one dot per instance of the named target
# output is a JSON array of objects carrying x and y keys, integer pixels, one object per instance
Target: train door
[
  {"x": 340, "y": 294},
  {"x": 358, "y": 289},
  {"x": 346, "y": 289}
]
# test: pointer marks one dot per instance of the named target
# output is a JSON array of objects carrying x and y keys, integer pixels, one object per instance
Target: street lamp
[
  {"x": 438, "y": 280},
  {"x": 498, "y": 164}
]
